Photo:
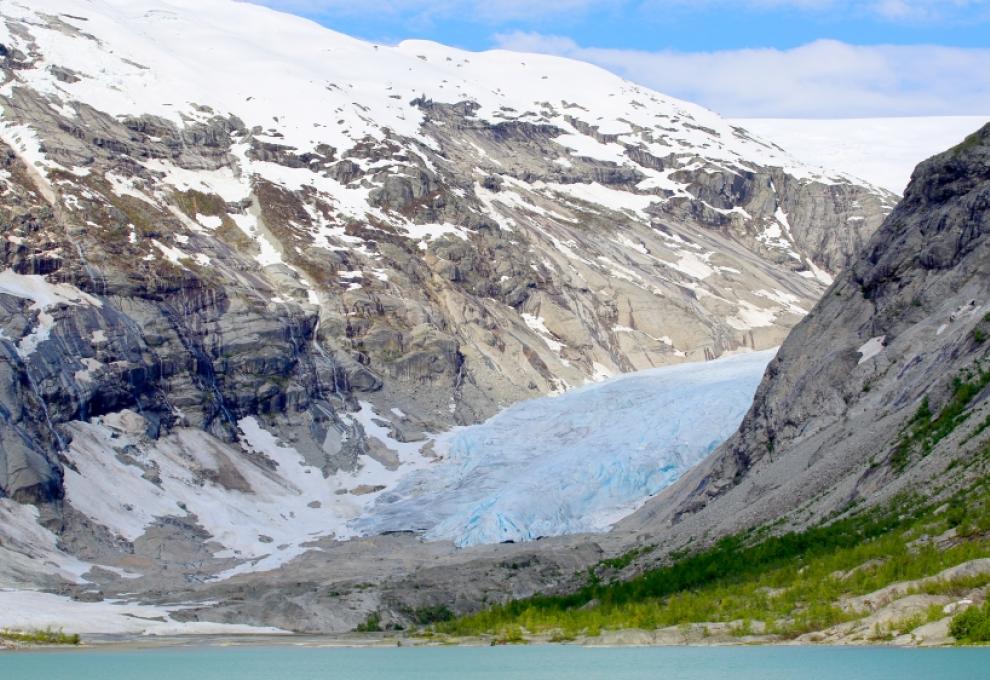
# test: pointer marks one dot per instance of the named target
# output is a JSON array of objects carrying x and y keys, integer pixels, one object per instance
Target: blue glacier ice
[{"x": 572, "y": 463}]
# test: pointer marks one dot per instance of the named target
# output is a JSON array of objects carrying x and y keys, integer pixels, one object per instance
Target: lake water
[{"x": 531, "y": 663}]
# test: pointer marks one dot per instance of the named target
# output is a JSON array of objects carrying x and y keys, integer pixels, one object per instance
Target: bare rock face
[
  {"x": 883, "y": 388},
  {"x": 333, "y": 261}
]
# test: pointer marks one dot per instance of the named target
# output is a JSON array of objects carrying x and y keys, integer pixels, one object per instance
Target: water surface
[{"x": 532, "y": 663}]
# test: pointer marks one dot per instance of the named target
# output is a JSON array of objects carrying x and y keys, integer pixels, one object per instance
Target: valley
[{"x": 306, "y": 334}]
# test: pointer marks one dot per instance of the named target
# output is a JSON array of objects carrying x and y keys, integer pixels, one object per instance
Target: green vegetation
[
  {"x": 972, "y": 625},
  {"x": 890, "y": 630},
  {"x": 373, "y": 624},
  {"x": 980, "y": 429},
  {"x": 971, "y": 142},
  {"x": 925, "y": 431},
  {"x": 194, "y": 203},
  {"x": 793, "y": 583},
  {"x": 425, "y": 616},
  {"x": 622, "y": 561},
  {"x": 981, "y": 332},
  {"x": 510, "y": 635},
  {"x": 47, "y": 636}
]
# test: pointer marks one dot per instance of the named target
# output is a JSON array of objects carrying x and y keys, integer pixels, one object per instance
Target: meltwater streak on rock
[{"x": 573, "y": 463}]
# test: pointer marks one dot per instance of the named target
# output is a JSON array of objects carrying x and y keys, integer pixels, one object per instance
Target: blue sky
[{"x": 793, "y": 58}]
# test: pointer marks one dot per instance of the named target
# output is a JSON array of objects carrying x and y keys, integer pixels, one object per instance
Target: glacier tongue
[{"x": 572, "y": 463}]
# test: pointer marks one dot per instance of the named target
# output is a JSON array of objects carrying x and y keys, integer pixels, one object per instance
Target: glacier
[{"x": 572, "y": 463}]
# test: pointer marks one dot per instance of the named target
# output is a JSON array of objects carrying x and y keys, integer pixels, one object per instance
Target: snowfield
[
  {"x": 305, "y": 85},
  {"x": 575, "y": 462},
  {"x": 32, "y": 610},
  {"x": 883, "y": 151},
  {"x": 261, "y": 514}
]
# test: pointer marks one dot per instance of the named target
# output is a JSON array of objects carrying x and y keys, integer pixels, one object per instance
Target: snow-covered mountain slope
[
  {"x": 250, "y": 268},
  {"x": 572, "y": 463},
  {"x": 433, "y": 149},
  {"x": 883, "y": 151}
]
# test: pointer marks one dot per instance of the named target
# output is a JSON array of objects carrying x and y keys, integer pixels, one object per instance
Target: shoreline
[{"x": 614, "y": 639}]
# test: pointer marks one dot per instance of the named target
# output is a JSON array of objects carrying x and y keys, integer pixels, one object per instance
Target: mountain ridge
[{"x": 242, "y": 275}]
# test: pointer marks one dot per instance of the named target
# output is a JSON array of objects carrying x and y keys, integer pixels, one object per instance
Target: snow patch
[
  {"x": 693, "y": 265},
  {"x": 27, "y": 548},
  {"x": 748, "y": 316},
  {"x": 428, "y": 232},
  {"x": 872, "y": 347},
  {"x": 30, "y": 610},
  {"x": 210, "y": 221},
  {"x": 613, "y": 199},
  {"x": 540, "y": 328},
  {"x": 46, "y": 296}
]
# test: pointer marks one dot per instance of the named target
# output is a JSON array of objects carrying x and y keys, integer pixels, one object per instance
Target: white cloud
[
  {"x": 915, "y": 10},
  {"x": 825, "y": 78},
  {"x": 893, "y": 10}
]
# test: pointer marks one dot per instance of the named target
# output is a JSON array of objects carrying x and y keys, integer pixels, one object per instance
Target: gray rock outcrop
[{"x": 882, "y": 389}]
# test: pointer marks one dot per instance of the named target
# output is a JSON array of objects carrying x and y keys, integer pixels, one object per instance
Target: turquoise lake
[{"x": 532, "y": 663}]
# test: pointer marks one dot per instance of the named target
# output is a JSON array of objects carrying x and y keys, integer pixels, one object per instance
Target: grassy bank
[
  {"x": 47, "y": 636},
  {"x": 791, "y": 584}
]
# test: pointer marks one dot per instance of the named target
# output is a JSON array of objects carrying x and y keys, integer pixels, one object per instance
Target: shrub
[
  {"x": 425, "y": 616},
  {"x": 511, "y": 635},
  {"x": 925, "y": 430},
  {"x": 972, "y": 625},
  {"x": 373, "y": 624},
  {"x": 47, "y": 636}
]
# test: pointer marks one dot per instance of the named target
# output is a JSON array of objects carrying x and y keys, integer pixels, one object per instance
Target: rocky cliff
[
  {"x": 881, "y": 390},
  {"x": 250, "y": 266}
]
